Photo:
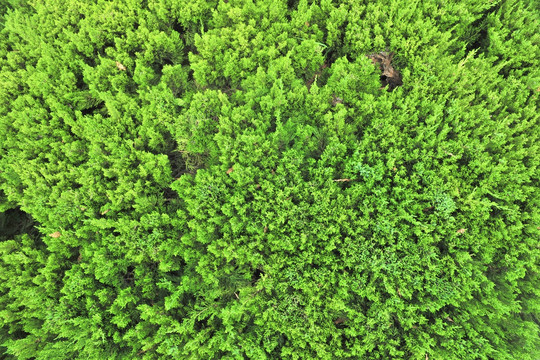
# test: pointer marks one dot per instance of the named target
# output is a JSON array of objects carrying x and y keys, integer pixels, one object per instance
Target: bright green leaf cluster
[{"x": 229, "y": 180}]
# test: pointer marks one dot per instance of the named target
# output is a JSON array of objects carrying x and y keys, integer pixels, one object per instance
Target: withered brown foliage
[{"x": 389, "y": 76}]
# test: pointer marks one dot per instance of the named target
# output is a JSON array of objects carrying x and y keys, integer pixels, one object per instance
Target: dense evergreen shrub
[{"x": 228, "y": 180}]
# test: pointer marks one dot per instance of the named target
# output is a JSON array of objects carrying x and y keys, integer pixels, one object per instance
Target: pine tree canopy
[{"x": 265, "y": 179}]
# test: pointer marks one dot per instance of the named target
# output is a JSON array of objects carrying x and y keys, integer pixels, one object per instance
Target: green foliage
[{"x": 228, "y": 180}]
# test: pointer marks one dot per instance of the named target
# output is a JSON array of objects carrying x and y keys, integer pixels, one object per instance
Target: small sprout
[{"x": 316, "y": 75}]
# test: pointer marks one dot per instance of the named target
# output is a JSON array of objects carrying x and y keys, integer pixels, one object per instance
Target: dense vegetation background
[{"x": 227, "y": 180}]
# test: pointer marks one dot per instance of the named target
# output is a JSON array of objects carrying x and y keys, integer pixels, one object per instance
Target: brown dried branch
[{"x": 389, "y": 76}]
